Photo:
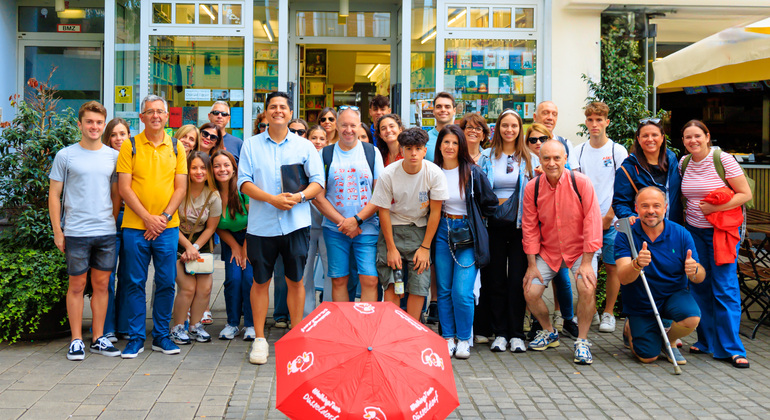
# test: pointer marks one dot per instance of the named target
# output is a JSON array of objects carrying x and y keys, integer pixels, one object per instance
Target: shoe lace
[
  {"x": 77, "y": 345},
  {"x": 103, "y": 342},
  {"x": 542, "y": 335},
  {"x": 582, "y": 346}
]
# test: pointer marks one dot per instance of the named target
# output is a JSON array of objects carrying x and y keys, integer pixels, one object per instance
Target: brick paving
[{"x": 215, "y": 380}]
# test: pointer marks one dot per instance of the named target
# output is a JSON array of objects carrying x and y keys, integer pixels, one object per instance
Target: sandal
[
  {"x": 695, "y": 350},
  {"x": 740, "y": 365}
]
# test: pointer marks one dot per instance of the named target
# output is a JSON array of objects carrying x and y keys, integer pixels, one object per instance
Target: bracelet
[
  {"x": 421, "y": 246},
  {"x": 697, "y": 267},
  {"x": 635, "y": 264},
  {"x": 358, "y": 220}
]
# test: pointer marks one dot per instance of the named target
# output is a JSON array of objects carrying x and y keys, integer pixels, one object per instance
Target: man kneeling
[{"x": 668, "y": 257}]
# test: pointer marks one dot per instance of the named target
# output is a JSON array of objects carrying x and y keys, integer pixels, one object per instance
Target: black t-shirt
[{"x": 659, "y": 174}]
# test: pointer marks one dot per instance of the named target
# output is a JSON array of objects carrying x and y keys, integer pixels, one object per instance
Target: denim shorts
[
  {"x": 608, "y": 245},
  {"x": 645, "y": 333},
  {"x": 340, "y": 248},
  {"x": 80, "y": 253}
]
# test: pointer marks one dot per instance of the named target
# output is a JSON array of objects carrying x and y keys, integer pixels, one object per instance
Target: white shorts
[{"x": 548, "y": 274}]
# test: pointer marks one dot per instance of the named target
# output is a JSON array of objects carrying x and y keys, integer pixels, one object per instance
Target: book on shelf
[
  {"x": 449, "y": 82},
  {"x": 464, "y": 59},
  {"x": 483, "y": 83},
  {"x": 495, "y": 107},
  {"x": 528, "y": 84},
  {"x": 315, "y": 88},
  {"x": 514, "y": 62},
  {"x": 472, "y": 84},
  {"x": 494, "y": 85},
  {"x": 460, "y": 83},
  {"x": 190, "y": 115},
  {"x": 236, "y": 120},
  {"x": 502, "y": 60},
  {"x": 527, "y": 60},
  {"x": 175, "y": 116},
  {"x": 490, "y": 59},
  {"x": 261, "y": 68},
  {"x": 517, "y": 84},
  {"x": 529, "y": 110},
  {"x": 477, "y": 59},
  {"x": 504, "y": 84},
  {"x": 451, "y": 60}
]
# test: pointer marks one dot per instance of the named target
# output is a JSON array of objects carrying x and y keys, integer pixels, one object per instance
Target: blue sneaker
[
  {"x": 133, "y": 348},
  {"x": 165, "y": 345},
  {"x": 583, "y": 352},
  {"x": 544, "y": 339}
]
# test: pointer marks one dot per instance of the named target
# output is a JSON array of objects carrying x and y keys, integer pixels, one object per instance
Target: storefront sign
[
  {"x": 124, "y": 94},
  {"x": 70, "y": 27},
  {"x": 197, "y": 95}
]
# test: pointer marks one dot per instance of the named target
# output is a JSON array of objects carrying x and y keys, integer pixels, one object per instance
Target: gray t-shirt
[{"x": 87, "y": 198}]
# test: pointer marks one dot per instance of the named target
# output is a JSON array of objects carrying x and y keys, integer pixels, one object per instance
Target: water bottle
[{"x": 398, "y": 276}]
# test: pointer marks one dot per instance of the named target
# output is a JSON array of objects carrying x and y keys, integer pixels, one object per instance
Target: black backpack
[
  {"x": 574, "y": 187},
  {"x": 173, "y": 145}
]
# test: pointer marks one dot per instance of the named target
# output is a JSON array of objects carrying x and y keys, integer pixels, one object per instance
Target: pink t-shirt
[{"x": 700, "y": 179}]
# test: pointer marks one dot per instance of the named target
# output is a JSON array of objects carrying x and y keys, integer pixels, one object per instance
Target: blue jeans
[
  {"x": 564, "y": 293},
  {"x": 280, "y": 290},
  {"x": 719, "y": 299},
  {"x": 138, "y": 252},
  {"x": 454, "y": 283},
  {"x": 237, "y": 286},
  {"x": 110, "y": 317}
]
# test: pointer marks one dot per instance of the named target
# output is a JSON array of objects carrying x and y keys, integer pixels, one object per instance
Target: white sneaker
[
  {"x": 596, "y": 320},
  {"x": 518, "y": 346},
  {"x": 608, "y": 323},
  {"x": 179, "y": 335},
  {"x": 198, "y": 333},
  {"x": 481, "y": 339},
  {"x": 451, "y": 346},
  {"x": 229, "y": 332},
  {"x": 249, "y": 334},
  {"x": 259, "y": 351},
  {"x": 463, "y": 349},
  {"x": 499, "y": 344},
  {"x": 527, "y": 323},
  {"x": 558, "y": 321}
]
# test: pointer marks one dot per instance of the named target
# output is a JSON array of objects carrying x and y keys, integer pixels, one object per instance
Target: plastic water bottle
[{"x": 398, "y": 276}]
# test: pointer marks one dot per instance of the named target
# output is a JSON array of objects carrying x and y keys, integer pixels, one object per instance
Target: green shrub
[
  {"x": 601, "y": 293},
  {"x": 31, "y": 283}
]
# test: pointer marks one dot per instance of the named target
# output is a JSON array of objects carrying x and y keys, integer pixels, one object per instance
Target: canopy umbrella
[
  {"x": 735, "y": 55},
  {"x": 367, "y": 361}
]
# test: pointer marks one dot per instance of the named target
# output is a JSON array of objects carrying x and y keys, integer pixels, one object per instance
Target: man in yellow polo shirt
[{"x": 152, "y": 179}]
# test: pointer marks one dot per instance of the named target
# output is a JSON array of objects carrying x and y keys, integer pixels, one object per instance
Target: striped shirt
[{"x": 700, "y": 179}]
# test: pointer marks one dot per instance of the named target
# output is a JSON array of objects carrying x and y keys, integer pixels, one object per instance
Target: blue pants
[
  {"x": 454, "y": 283},
  {"x": 564, "y": 293},
  {"x": 110, "y": 317},
  {"x": 280, "y": 290},
  {"x": 138, "y": 252},
  {"x": 237, "y": 286},
  {"x": 117, "y": 318},
  {"x": 719, "y": 299}
]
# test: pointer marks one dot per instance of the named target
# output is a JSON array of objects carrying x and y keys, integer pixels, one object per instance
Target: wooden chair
[{"x": 754, "y": 281}]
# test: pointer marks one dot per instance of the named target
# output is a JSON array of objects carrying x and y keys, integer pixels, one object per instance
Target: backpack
[
  {"x": 564, "y": 142},
  {"x": 574, "y": 187},
  {"x": 327, "y": 153},
  {"x": 583, "y": 147},
  {"x": 720, "y": 168},
  {"x": 173, "y": 145}
]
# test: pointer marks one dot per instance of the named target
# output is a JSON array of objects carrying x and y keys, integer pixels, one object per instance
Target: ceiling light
[
  {"x": 208, "y": 12},
  {"x": 371, "y": 72},
  {"x": 428, "y": 36}
]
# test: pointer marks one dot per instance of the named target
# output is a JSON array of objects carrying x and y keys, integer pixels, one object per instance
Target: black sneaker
[
  {"x": 432, "y": 317},
  {"x": 76, "y": 350},
  {"x": 103, "y": 346},
  {"x": 569, "y": 328},
  {"x": 535, "y": 328}
]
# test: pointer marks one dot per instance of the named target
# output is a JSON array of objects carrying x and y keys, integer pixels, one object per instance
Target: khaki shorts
[{"x": 408, "y": 239}]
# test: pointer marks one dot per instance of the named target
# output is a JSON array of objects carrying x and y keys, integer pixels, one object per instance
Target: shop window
[
  {"x": 501, "y": 17},
  {"x": 231, "y": 14},
  {"x": 191, "y": 12},
  {"x": 87, "y": 20},
  {"x": 185, "y": 14},
  {"x": 422, "y": 78},
  {"x": 456, "y": 17},
  {"x": 208, "y": 13},
  {"x": 359, "y": 24},
  {"x": 525, "y": 17},
  {"x": 161, "y": 13},
  {"x": 479, "y": 17}
]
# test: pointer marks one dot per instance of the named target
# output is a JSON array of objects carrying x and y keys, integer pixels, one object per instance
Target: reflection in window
[
  {"x": 359, "y": 24},
  {"x": 525, "y": 17},
  {"x": 185, "y": 14},
  {"x": 207, "y": 15},
  {"x": 231, "y": 14},
  {"x": 479, "y": 17},
  {"x": 161, "y": 13},
  {"x": 456, "y": 17},
  {"x": 501, "y": 17}
]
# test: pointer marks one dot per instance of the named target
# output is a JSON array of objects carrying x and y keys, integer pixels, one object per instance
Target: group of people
[{"x": 401, "y": 215}]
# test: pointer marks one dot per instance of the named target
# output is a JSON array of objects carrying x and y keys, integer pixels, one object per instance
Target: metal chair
[{"x": 754, "y": 281}]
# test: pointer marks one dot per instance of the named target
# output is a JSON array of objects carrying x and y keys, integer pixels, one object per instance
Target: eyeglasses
[
  {"x": 344, "y": 107},
  {"x": 509, "y": 166},
  {"x": 476, "y": 129},
  {"x": 644, "y": 121},
  {"x": 300, "y": 132},
  {"x": 218, "y": 113},
  {"x": 208, "y": 135},
  {"x": 534, "y": 140},
  {"x": 151, "y": 112},
  {"x": 262, "y": 126},
  {"x": 324, "y": 119}
]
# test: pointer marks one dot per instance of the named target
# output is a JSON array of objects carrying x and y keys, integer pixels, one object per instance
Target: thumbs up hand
[
  {"x": 690, "y": 265},
  {"x": 645, "y": 257}
]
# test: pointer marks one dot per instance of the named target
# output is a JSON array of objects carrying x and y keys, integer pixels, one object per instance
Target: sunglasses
[
  {"x": 344, "y": 107},
  {"x": 262, "y": 126},
  {"x": 509, "y": 164},
  {"x": 324, "y": 119},
  {"x": 218, "y": 113},
  {"x": 534, "y": 140},
  {"x": 208, "y": 135},
  {"x": 644, "y": 121},
  {"x": 300, "y": 132}
]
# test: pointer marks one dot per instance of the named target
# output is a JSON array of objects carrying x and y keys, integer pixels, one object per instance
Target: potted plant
[{"x": 33, "y": 275}]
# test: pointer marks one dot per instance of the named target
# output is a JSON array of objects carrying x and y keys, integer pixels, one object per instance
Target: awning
[{"x": 735, "y": 55}]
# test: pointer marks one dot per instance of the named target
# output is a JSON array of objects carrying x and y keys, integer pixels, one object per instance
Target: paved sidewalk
[{"x": 215, "y": 380}]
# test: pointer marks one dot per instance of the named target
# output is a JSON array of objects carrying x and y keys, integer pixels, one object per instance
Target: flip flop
[{"x": 740, "y": 365}]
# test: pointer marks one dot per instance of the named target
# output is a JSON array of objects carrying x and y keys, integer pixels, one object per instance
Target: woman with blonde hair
[{"x": 189, "y": 136}]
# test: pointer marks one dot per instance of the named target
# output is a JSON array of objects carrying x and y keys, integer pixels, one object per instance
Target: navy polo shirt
[{"x": 665, "y": 274}]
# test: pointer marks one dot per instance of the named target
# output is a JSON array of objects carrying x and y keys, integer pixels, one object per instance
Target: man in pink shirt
[{"x": 562, "y": 227}]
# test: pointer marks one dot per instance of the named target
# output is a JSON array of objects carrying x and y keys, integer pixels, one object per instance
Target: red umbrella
[{"x": 368, "y": 361}]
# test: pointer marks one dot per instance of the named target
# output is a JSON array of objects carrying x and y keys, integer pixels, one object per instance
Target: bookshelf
[{"x": 315, "y": 92}]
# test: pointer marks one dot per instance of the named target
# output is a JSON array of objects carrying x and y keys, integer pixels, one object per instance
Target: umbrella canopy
[
  {"x": 367, "y": 361},
  {"x": 735, "y": 55}
]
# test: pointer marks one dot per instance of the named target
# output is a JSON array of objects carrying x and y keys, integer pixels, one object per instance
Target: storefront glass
[
  {"x": 127, "y": 27},
  {"x": 265, "y": 54},
  {"x": 423, "y": 63}
]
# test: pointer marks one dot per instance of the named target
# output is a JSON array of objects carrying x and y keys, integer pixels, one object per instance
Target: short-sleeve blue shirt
[
  {"x": 665, "y": 274},
  {"x": 431, "y": 145},
  {"x": 260, "y": 164}
]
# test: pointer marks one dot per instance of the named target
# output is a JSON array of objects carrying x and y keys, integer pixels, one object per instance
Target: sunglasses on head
[
  {"x": 344, "y": 107},
  {"x": 208, "y": 135},
  {"x": 534, "y": 140},
  {"x": 324, "y": 119},
  {"x": 644, "y": 121},
  {"x": 261, "y": 126},
  {"x": 218, "y": 113},
  {"x": 299, "y": 132}
]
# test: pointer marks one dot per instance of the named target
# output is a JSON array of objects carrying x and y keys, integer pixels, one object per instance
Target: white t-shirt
[
  {"x": 408, "y": 196},
  {"x": 505, "y": 183},
  {"x": 350, "y": 184},
  {"x": 600, "y": 166},
  {"x": 87, "y": 190},
  {"x": 700, "y": 179},
  {"x": 455, "y": 204}
]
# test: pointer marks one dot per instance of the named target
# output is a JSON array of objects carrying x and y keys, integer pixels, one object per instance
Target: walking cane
[{"x": 623, "y": 225}]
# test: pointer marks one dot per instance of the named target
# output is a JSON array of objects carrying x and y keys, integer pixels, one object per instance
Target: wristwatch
[
  {"x": 197, "y": 247},
  {"x": 302, "y": 197},
  {"x": 167, "y": 216},
  {"x": 358, "y": 220}
]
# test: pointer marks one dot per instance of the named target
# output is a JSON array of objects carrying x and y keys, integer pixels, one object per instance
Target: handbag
[
  {"x": 460, "y": 237},
  {"x": 507, "y": 212},
  {"x": 204, "y": 264}
]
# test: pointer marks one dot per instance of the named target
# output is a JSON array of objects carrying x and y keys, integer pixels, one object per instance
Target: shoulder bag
[{"x": 205, "y": 262}]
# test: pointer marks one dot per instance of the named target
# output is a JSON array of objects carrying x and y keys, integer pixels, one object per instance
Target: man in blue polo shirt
[
  {"x": 279, "y": 221},
  {"x": 668, "y": 257}
]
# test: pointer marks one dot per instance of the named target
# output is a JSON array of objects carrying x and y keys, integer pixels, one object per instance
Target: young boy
[
  {"x": 85, "y": 174},
  {"x": 405, "y": 191}
]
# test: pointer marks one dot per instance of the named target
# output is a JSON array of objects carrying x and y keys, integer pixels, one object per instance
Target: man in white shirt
[{"x": 599, "y": 158}]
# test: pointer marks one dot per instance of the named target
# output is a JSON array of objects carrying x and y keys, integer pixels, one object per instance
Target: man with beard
[{"x": 668, "y": 257}]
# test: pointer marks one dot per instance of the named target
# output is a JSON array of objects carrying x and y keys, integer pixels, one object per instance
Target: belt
[{"x": 453, "y": 216}]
